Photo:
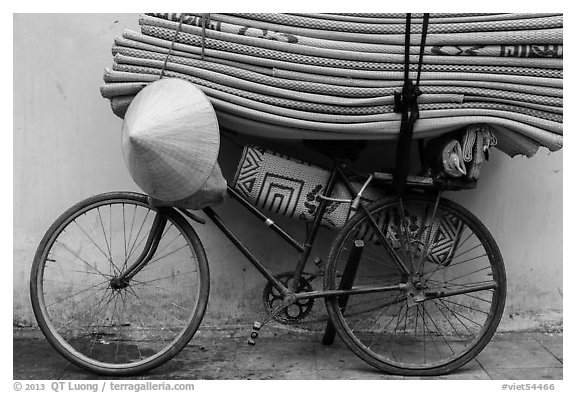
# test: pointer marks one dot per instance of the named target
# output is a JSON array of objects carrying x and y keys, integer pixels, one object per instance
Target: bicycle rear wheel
[
  {"x": 107, "y": 328},
  {"x": 446, "y": 307}
]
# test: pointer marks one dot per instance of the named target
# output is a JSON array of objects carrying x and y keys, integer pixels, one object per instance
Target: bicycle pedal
[
  {"x": 253, "y": 337},
  {"x": 254, "y": 333}
]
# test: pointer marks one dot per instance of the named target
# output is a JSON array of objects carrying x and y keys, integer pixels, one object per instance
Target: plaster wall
[{"x": 67, "y": 148}]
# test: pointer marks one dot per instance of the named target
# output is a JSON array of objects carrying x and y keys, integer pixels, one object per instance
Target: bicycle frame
[
  {"x": 337, "y": 174},
  {"x": 304, "y": 248}
]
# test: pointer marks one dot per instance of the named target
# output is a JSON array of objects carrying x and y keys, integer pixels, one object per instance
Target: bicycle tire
[
  {"x": 366, "y": 326},
  {"x": 124, "y": 331}
]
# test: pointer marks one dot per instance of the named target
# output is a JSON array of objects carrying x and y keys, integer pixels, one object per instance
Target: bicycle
[{"x": 414, "y": 285}]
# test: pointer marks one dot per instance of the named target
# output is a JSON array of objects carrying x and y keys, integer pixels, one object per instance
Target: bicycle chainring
[{"x": 295, "y": 312}]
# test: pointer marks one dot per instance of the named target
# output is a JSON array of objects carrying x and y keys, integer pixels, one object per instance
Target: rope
[{"x": 172, "y": 45}]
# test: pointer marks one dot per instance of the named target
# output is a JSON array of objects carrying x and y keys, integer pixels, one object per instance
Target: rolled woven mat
[
  {"x": 334, "y": 76},
  {"x": 548, "y": 35},
  {"x": 424, "y": 128},
  {"x": 214, "y": 73},
  {"x": 111, "y": 76},
  {"x": 122, "y": 43},
  {"x": 431, "y": 110},
  {"x": 512, "y": 143},
  {"x": 212, "y": 90},
  {"x": 543, "y": 22},
  {"x": 436, "y": 55},
  {"x": 526, "y": 124},
  {"x": 550, "y": 67},
  {"x": 433, "y": 15},
  {"x": 503, "y": 50},
  {"x": 453, "y": 77},
  {"x": 291, "y": 99},
  {"x": 447, "y": 18},
  {"x": 196, "y": 42},
  {"x": 384, "y": 79},
  {"x": 342, "y": 115}
]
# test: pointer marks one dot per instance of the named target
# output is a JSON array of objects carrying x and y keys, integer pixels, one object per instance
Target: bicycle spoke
[
  {"x": 75, "y": 294},
  {"x": 160, "y": 309},
  {"x": 456, "y": 314},
  {"x": 150, "y": 314},
  {"x": 467, "y": 251},
  {"x": 112, "y": 296},
  {"x": 442, "y": 314},
  {"x": 381, "y": 311},
  {"x": 438, "y": 330},
  {"x": 353, "y": 305},
  {"x": 423, "y": 330},
  {"x": 373, "y": 259},
  {"x": 142, "y": 324},
  {"x": 71, "y": 271},
  {"x": 109, "y": 256},
  {"x": 426, "y": 248},
  {"x": 158, "y": 297},
  {"x": 87, "y": 263},
  {"x": 176, "y": 292},
  {"x": 97, "y": 321},
  {"x": 399, "y": 319},
  {"x": 469, "y": 274},
  {"x": 124, "y": 234},
  {"x": 406, "y": 238},
  {"x": 465, "y": 306},
  {"x": 166, "y": 277},
  {"x": 166, "y": 229},
  {"x": 138, "y": 234},
  {"x": 93, "y": 241},
  {"x": 119, "y": 323},
  {"x": 131, "y": 228},
  {"x": 440, "y": 268},
  {"x": 164, "y": 256}
]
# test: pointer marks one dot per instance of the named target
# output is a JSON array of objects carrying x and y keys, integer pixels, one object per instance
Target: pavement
[{"x": 289, "y": 353}]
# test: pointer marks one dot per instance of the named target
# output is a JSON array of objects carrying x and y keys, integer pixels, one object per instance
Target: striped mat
[{"x": 333, "y": 76}]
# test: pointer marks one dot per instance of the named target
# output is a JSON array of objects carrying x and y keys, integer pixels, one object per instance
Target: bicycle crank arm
[{"x": 288, "y": 301}]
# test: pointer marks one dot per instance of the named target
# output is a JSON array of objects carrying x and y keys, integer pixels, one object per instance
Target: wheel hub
[
  {"x": 415, "y": 291},
  {"x": 117, "y": 283}
]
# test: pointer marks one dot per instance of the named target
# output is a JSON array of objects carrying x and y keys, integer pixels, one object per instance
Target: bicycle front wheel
[
  {"x": 118, "y": 329},
  {"x": 444, "y": 306}
]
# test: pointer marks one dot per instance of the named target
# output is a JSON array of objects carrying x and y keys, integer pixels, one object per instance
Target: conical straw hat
[{"x": 170, "y": 139}]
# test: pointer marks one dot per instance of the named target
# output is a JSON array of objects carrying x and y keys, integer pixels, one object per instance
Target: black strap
[{"x": 406, "y": 102}]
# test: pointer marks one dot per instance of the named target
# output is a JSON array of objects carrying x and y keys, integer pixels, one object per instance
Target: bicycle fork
[{"x": 123, "y": 279}]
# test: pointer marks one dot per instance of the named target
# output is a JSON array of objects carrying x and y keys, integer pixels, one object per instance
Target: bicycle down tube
[{"x": 303, "y": 249}]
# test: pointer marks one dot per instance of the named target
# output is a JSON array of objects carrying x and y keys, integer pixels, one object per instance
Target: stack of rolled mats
[{"x": 333, "y": 76}]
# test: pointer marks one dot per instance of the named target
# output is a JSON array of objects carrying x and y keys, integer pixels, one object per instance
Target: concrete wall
[{"x": 67, "y": 147}]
